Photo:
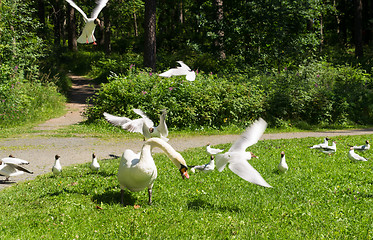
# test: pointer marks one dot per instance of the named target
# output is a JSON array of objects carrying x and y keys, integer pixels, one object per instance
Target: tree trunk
[
  {"x": 321, "y": 32},
  {"x": 181, "y": 12},
  {"x": 219, "y": 42},
  {"x": 71, "y": 32},
  {"x": 150, "y": 34},
  {"x": 107, "y": 32},
  {"x": 135, "y": 21},
  {"x": 358, "y": 29},
  {"x": 56, "y": 22}
]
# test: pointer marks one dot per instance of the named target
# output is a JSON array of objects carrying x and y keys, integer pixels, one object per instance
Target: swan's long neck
[{"x": 175, "y": 157}]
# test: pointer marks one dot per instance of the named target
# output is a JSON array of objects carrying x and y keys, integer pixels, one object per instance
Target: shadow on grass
[
  {"x": 7, "y": 182},
  {"x": 198, "y": 204},
  {"x": 113, "y": 197}
]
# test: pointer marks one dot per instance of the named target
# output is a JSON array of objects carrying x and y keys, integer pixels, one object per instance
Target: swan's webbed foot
[{"x": 150, "y": 196}]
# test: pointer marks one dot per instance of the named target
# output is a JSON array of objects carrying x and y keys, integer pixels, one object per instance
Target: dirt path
[{"x": 40, "y": 150}]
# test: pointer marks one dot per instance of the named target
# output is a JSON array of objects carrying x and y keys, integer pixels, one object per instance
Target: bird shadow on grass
[
  {"x": 113, "y": 197},
  {"x": 199, "y": 203},
  {"x": 6, "y": 182}
]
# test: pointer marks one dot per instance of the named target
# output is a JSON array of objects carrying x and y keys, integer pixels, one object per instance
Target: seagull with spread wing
[
  {"x": 182, "y": 70},
  {"x": 90, "y": 23},
  {"x": 10, "y": 166},
  {"x": 143, "y": 125},
  {"x": 237, "y": 156}
]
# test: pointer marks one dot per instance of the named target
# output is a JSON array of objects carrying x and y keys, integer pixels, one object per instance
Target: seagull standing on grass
[
  {"x": 95, "y": 166},
  {"x": 329, "y": 149},
  {"x": 57, "y": 168},
  {"x": 237, "y": 156},
  {"x": 90, "y": 23},
  {"x": 142, "y": 125},
  {"x": 213, "y": 151},
  {"x": 206, "y": 168},
  {"x": 283, "y": 167},
  {"x": 182, "y": 70},
  {"x": 354, "y": 156},
  {"x": 321, "y": 145},
  {"x": 10, "y": 167},
  {"x": 364, "y": 147}
]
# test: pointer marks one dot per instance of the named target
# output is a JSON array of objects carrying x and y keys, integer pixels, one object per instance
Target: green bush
[
  {"x": 317, "y": 93},
  {"x": 209, "y": 101}
]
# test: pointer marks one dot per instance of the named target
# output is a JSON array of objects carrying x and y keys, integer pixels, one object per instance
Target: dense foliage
[
  {"x": 25, "y": 93},
  {"x": 312, "y": 94}
]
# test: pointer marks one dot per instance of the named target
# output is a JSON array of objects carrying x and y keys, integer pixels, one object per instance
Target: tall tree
[
  {"x": 358, "y": 26},
  {"x": 107, "y": 32},
  {"x": 72, "y": 43},
  {"x": 150, "y": 34},
  {"x": 219, "y": 20}
]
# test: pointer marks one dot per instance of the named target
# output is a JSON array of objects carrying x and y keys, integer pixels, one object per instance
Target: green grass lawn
[{"x": 320, "y": 197}]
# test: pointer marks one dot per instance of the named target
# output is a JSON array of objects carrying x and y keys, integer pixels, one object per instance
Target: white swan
[
  {"x": 138, "y": 171},
  {"x": 57, "y": 168},
  {"x": 90, "y": 23},
  {"x": 95, "y": 166},
  {"x": 206, "y": 168},
  {"x": 143, "y": 125},
  {"x": 321, "y": 145},
  {"x": 283, "y": 166},
  {"x": 364, "y": 147},
  {"x": 354, "y": 156},
  {"x": 237, "y": 156},
  {"x": 183, "y": 70},
  {"x": 10, "y": 167}
]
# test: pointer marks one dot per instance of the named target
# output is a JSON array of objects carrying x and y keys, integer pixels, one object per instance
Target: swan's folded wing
[
  {"x": 251, "y": 136},
  {"x": 115, "y": 120},
  {"x": 247, "y": 172},
  {"x": 100, "y": 5},
  {"x": 16, "y": 161},
  {"x": 73, "y": 4}
]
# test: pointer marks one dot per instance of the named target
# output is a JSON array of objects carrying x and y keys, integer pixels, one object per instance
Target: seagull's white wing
[
  {"x": 221, "y": 161},
  {"x": 184, "y": 66},
  {"x": 147, "y": 120},
  {"x": 134, "y": 125},
  {"x": 162, "y": 127},
  {"x": 11, "y": 160},
  {"x": 73, "y": 4},
  {"x": 19, "y": 168},
  {"x": 100, "y": 5},
  {"x": 251, "y": 136},
  {"x": 213, "y": 151},
  {"x": 247, "y": 172},
  {"x": 115, "y": 120}
]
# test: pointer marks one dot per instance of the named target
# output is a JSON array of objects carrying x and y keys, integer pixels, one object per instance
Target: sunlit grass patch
[{"x": 321, "y": 196}]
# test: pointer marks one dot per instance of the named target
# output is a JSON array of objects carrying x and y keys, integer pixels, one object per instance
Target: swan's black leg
[{"x": 150, "y": 196}]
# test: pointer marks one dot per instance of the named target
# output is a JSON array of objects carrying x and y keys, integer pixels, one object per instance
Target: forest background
[{"x": 300, "y": 63}]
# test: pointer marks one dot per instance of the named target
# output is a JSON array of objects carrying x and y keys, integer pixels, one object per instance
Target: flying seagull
[
  {"x": 90, "y": 23},
  {"x": 183, "y": 70},
  {"x": 10, "y": 167},
  {"x": 143, "y": 125},
  {"x": 237, "y": 156}
]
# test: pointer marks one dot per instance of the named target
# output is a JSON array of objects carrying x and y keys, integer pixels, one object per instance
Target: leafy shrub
[
  {"x": 208, "y": 101},
  {"x": 312, "y": 94}
]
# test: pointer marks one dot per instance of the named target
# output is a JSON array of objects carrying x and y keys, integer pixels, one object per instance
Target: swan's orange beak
[{"x": 183, "y": 171}]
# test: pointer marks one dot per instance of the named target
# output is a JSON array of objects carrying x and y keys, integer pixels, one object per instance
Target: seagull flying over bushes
[
  {"x": 141, "y": 125},
  {"x": 182, "y": 70},
  {"x": 90, "y": 23},
  {"x": 237, "y": 156}
]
